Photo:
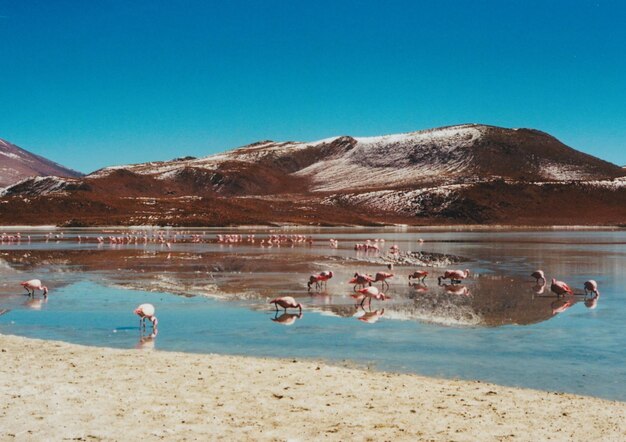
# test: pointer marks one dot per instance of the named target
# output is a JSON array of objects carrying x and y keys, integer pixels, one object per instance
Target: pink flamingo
[
  {"x": 34, "y": 284},
  {"x": 455, "y": 276},
  {"x": 418, "y": 275},
  {"x": 325, "y": 276},
  {"x": 286, "y": 302},
  {"x": 369, "y": 293},
  {"x": 382, "y": 277},
  {"x": 592, "y": 287},
  {"x": 319, "y": 279},
  {"x": 538, "y": 274},
  {"x": 361, "y": 279},
  {"x": 146, "y": 311},
  {"x": 560, "y": 288},
  {"x": 313, "y": 279}
]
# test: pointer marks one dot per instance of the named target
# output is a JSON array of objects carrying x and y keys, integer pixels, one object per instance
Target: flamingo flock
[{"x": 364, "y": 288}]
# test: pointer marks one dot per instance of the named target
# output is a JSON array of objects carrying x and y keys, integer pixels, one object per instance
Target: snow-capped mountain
[
  {"x": 461, "y": 174},
  {"x": 17, "y": 164}
]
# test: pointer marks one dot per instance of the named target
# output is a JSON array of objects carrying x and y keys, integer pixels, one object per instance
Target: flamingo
[
  {"x": 146, "y": 311},
  {"x": 418, "y": 274},
  {"x": 382, "y": 277},
  {"x": 325, "y": 276},
  {"x": 319, "y": 279},
  {"x": 34, "y": 284},
  {"x": 313, "y": 279},
  {"x": 286, "y": 302},
  {"x": 560, "y": 288},
  {"x": 369, "y": 293},
  {"x": 361, "y": 279},
  {"x": 538, "y": 274},
  {"x": 591, "y": 286},
  {"x": 455, "y": 276}
]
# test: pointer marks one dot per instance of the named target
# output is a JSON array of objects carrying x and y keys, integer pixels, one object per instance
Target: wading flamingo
[
  {"x": 319, "y": 279},
  {"x": 418, "y": 275},
  {"x": 313, "y": 279},
  {"x": 286, "y": 302},
  {"x": 34, "y": 284},
  {"x": 538, "y": 274},
  {"x": 146, "y": 311},
  {"x": 591, "y": 287},
  {"x": 369, "y": 293},
  {"x": 560, "y": 288},
  {"x": 455, "y": 276},
  {"x": 382, "y": 277},
  {"x": 361, "y": 279},
  {"x": 324, "y": 277}
]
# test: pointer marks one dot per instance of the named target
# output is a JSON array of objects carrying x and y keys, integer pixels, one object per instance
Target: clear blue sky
[{"x": 96, "y": 83}]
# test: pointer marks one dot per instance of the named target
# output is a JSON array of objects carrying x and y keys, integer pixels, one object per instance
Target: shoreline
[
  {"x": 55, "y": 390},
  {"x": 404, "y": 227}
]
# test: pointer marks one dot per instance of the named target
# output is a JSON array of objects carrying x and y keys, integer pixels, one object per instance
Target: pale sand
[{"x": 55, "y": 391}]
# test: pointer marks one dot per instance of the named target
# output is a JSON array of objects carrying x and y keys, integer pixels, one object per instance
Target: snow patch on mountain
[{"x": 400, "y": 159}]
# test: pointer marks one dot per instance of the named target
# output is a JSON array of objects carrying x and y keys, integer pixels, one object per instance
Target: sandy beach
[{"x": 58, "y": 391}]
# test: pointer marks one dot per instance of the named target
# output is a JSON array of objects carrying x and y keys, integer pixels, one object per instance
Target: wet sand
[{"x": 53, "y": 391}]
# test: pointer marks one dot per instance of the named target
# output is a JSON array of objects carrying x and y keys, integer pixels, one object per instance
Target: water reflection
[
  {"x": 35, "y": 303},
  {"x": 592, "y": 302},
  {"x": 497, "y": 294},
  {"x": 286, "y": 318},
  {"x": 147, "y": 341},
  {"x": 370, "y": 317}
]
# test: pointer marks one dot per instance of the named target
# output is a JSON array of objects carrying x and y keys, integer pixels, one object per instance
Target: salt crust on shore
[{"x": 56, "y": 391}]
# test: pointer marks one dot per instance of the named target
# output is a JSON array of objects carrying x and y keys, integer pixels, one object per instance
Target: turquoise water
[{"x": 511, "y": 337}]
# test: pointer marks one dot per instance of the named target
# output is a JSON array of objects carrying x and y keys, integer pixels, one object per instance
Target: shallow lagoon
[{"x": 213, "y": 298}]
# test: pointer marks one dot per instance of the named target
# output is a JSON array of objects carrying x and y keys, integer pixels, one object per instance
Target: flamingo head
[
  {"x": 45, "y": 292},
  {"x": 467, "y": 273}
]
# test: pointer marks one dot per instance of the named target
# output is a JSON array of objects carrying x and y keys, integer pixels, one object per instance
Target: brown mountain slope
[
  {"x": 458, "y": 174},
  {"x": 17, "y": 164}
]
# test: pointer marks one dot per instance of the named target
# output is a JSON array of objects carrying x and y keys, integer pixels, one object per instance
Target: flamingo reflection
[
  {"x": 287, "y": 318},
  {"x": 592, "y": 302},
  {"x": 147, "y": 342},
  {"x": 419, "y": 287},
  {"x": 561, "y": 304},
  {"x": 539, "y": 288},
  {"x": 453, "y": 289},
  {"x": 35, "y": 303},
  {"x": 372, "y": 317}
]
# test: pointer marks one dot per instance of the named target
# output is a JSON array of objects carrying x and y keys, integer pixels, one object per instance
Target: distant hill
[
  {"x": 17, "y": 164},
  {"x": 460, "y": 174}
]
